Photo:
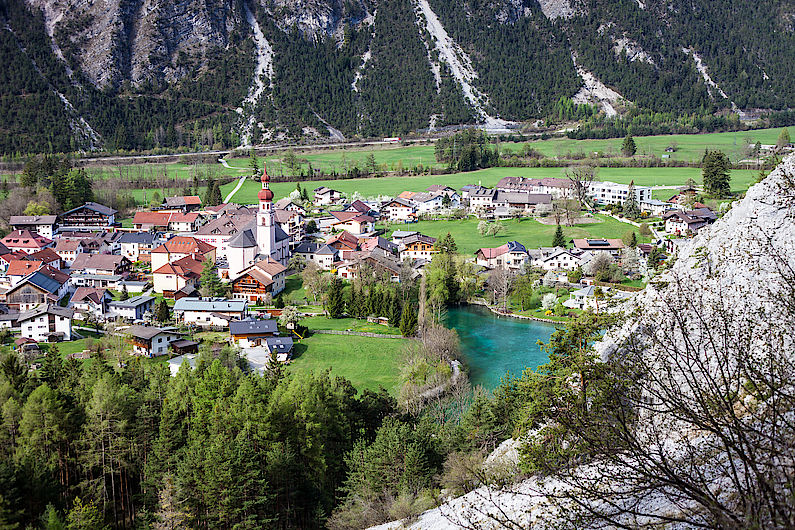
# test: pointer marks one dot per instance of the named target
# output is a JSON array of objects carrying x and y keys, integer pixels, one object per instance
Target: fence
[{"x": 357, "y": 333}]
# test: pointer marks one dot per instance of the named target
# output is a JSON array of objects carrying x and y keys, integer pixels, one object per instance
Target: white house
[
  {"x": 657, "y": 208},
  {"x": 44, "y": 225},
  {"x": 399, "y": 211},
  {"x": 209, "y": 312},
  {"x": 90, "y": 301},
  {"x": 510, "y": 256},
  {"x": 325, "y": 196},
  {"x": 132, "y": 308},
  {"x": 323, "y": 255},
  {"x": 136, "y": 244},
  {"x": 613, "y": 193},
  {"x": 554, "y": 259},
  {"x": 47, "y": 322},
  {"x": 68, "y": 250}
]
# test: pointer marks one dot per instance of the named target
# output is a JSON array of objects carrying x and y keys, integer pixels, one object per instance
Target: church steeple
[{"x": 266, "y": 230}]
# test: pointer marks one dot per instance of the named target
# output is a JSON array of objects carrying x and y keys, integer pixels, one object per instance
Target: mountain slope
[{"x": 187, "y": 66}]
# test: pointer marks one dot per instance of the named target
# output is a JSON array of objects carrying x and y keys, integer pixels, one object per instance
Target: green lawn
[
  {"x": 342, "y": 324},
  {"x": 391, "y": 186},
  {"x": 367, "y": 362},
  {"x": 529, "y": 232}
]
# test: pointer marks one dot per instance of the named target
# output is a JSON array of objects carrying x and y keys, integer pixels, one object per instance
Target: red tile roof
[
  {"x": 20, "y": 267},
  {"x": 184, "y": 245},
  {"x": 25, "y": 239},
  {"x": 186, "y": 267}
]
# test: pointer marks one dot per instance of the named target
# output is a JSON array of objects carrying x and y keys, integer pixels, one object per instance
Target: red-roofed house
[
  {"x": 176, "y": 276},
  {"x": 26, "y": 241},
  {"x": 18, "y": 269},
  {"x": 88, "y": 300},
  {"x": 344, "y": 242},
  {"x": 48, "y": 256},
  {"x": 69, "y": 249},
  {"x": 512, "y": 255},
  {"x": 174, "y": 221},
  {"x": 353, "y": 222},
  {"x": 179, "y": 247}
]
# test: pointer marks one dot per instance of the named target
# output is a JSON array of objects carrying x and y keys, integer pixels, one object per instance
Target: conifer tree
[
  {"x": 163, "y": 312},
  {"x": 211, "y": 284},
  {"x": 408, "y": 321},
  {"x": 394, "y": 310},
  {"x": 336, "y": 304},
  {"x": 559, "y": 240},
  {"x": 715, "y": 172},
  {"x": 628, "y": 148},
  {"x": 631, "y": 207},
  {"x": 123, "y": 294}
]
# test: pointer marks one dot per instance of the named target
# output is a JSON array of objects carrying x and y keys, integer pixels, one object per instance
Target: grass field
[
  {"x": 368, "y": 363},
  {"x": 341, "y": 324},
  {"x": 391, "y": 186},
  {"x": 530, "y": 232}
]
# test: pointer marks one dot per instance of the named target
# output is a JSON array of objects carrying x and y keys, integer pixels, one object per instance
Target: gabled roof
[
  {"x": 279, "y": 344},
  {"x": 213, "y": 304},
  {"x": 322, "y": 190},
  {"x": 399, "y": 201},
  {"x": 243, "y": 239},
  {"x": 250, "y": 326},
  {"x": 184, "y": 245},
  {"x": 359, "y": 206},
  {"x": 33, "y": 220},
  {"x": 135, "y": 301},
  {"x": 599, "y": 244},
  {"x": 94, "y": 207},
  {"x": 283, "y": 216},
  {"x": 180, "y": 201},
  {"x": 19, "y": 267},
  {"x": 55, "y": 274},
  {"x": 147, "y": 332},
  {"x": 186, "y": 267},
  {"x": 439, "y": 187},
  {"x": 418, "y": 238},
  {"x": 25, "y": 239},
  {"x": 40, "y": 280},
  {"x": 46, "y": 309},
  {"x": 309, "y": 247},
  {"x": 89, "y": 293},
  {"x": 344, "y": 237},
  {"x": 151, "y": 218},
  {"x": 344, "y": 216},
  {"x": 67, "y": 245},
  {"x": 406, "y": 195},
  {"x": 227, "y": 224},
  {"x": 378, "y": 242},
  {"x": 47, "y": 255},
  {"x": 105, "y": 262},
  {"x": 140, "y": 238},
  {"x": 519, "y": 197}
]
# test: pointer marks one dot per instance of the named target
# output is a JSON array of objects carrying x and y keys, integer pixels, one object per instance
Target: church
[{"x": 262, "y": 240}]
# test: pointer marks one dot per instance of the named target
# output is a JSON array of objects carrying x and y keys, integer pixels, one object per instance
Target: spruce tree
[
  {"x": 628, "y": 148},
  {"x": 631, "y": 207},
  {"x": 715, "y": 173},
  {"x": 336, "y": 304},
  {"x": 394, "y": 310},
  {"x": 124, "y": 294},
  {"x": 559, "y": 240},
  {"x": 408, "y": 321},
  {"x": 211, "y": 284},
  {"x": 163, "y": 312}
]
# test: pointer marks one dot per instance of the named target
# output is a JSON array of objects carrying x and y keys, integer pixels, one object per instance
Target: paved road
[{"x": 240, "y": 182}]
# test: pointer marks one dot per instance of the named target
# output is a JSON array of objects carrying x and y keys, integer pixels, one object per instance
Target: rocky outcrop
[{"x": 703, "y": 329}]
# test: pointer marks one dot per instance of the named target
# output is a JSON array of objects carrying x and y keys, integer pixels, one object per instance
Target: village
[{"x": 186, "y": 274}]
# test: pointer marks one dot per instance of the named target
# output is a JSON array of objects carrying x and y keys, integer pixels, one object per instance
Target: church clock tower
[{"x": 266, "y": 231}]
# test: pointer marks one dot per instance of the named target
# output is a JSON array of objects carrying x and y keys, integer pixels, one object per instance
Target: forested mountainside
[{"x": 140, "y": 74}]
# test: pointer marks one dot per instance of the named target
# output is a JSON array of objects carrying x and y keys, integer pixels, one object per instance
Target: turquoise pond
[{"x": 493, "y": 346}]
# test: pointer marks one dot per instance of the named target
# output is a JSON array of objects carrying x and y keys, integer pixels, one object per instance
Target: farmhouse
[
  {"x": 399, "y": 211},
  {"x": 325, "y": 196},
  {"x": 69, "y": 249},
  {"x": 688, "y": 222},
  {"x": 47, "y": 323},
  {"x": 89, "y": 301},
  {"x": 266, "y": 277},
  {"x": 322, "y": 255},
  {"x": 136, "y": 246},
  {"x": 180, "y": 247},
  {"x": 26, "y": 241},
  {"x": 180, "y": 276},
  {"x": 90, "y": 216},
  {"x": 417, "y": 246},
  {"x": 249, "y": 332},
  {"x": 151, "y": 341}
]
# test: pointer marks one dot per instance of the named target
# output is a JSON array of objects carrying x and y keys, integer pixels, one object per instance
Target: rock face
[{"x": 732, "y": 289}]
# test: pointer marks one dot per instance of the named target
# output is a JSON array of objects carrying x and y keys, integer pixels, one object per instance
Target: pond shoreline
[{"x": 483, "y": 303}]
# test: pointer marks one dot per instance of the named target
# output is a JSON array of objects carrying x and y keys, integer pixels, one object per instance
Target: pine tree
[
  {"x": 163, "y": 312},
  {"x": 408, "y": 321},
  {"x": 628, "y": 148},
  {"x": 278, "y": 302},
  {"x": 716, "y": 174},
  {"x": 336, "y": 304},
  {"x": 559, "y": 240}
]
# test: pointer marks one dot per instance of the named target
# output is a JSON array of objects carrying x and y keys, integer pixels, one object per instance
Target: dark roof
[
  {"x": 46, "y": 309},
  {"x": 142, "y": 238},
  {"x": 147, "y": 332},
  {"x": 279, "y": 344},
  {"x": 93, "y": 206},
  {"x": 252, "y": 327},
  {"x": 244, "y": 239},
  {"x": 132, "y": 302},
  {"x": 42, "y": 281},
  {"x": 308, "y": 247},
  {"x": 32, "y": 219}
]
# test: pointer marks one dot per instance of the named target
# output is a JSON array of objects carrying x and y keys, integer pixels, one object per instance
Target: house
[
  {"x": 510, "y": 256},
  {"x": 250, "y": 332},
  {"x": 26, "y": 241},
  {"x": 132, "y": 308},
  {"x": 90, "y": 216},
  {"x": 266, "y": 277},
  {"x": 353, "y": 222},
  {"x": 99, "y": 281},
  {"x": 656, "y": 207},
  {"x": 371, "y": 243},
  {"x": 358, "y": 206},
  {"x": 184, "y": 204},
  {"x": 172, "y": 221},
  {"x": 21, "y": 268},
  {"x": 47, "y": 256},
  {"x": 321, "y": 254},
  {"x": 291, "y": 206},
  {"x": 90, "y": 301},
  {"x": 399, "y": 235},
  {"x": 44, "y": 286},
  {"x": 522, "y": 201},
  {"x": 613, "y": 193},
  {"x": 180, "y": 247},
  {"x": 688, "y": 222},
  {"x": 553, "y": 259},
  {"x": 133, "y": 286},
  {"x": 426, "y": 202},
  {"x": 173, "y": 277},
  {"x": 279, "y": 348},
  {"x": 417, "y": 246},
  {"x": 137, "y": 245},
  {"x": 325, "y": 196},
  {"x": 291, "y": 223},
  {"x": 69, "y": 249},
  {"x": 383, "y": 263},
  {"x": 581, "y": 298},
  {"x": 399, "y": 211},
  {"x": 151, "y": 341},
  {"x": 44, "y": 225},
  {"x": 611, "y": 246},
  {"x": 344, "y": 242},
  {"x": 218, "y": 232},
  {"x": 559, "y": 188},
  {"x": 47, "y": 322},
  {"x": 107, "y": 264},
  {"x": 209, "y": 312}
]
